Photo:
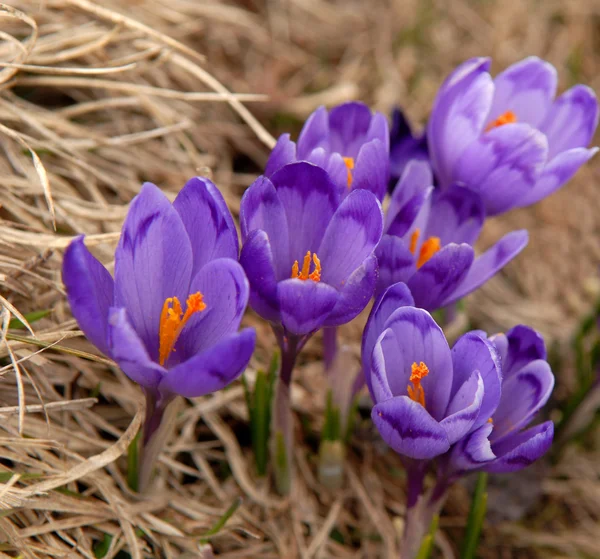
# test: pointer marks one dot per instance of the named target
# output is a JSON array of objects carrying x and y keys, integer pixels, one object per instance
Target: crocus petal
[
  {"x": 153, "y": 262},
  {"x": 489, "y": 263},
  {"x": 224, "y": 287},
  {"x": 314, "y": 133},
  {"x": 305, "y": 305},
  {"x": 456, "y": 216},
  {"x": 351, "y": 236},
  {"x": 572, "y": 120},
  {"x": 419, "y": 338},
  {"x": 398, "y": 295},
  {"x": 405, "y": 219},
  {"x": 503, "y": 165},
  {"x": 472, "y": 352},
  {"x": 372, "y": 169},
  {"x": 458, "y": 116},
  {"x": 473, "y": 451},
  {"x": 436, "y": 281},
  {"x": 262, "y": 209},
  {"x": 309, "y": 198},
  {"x": 408, "y": 429},
  {"x": 335, "y": 166},
  {"x": 557, "y": 173},
  {"x": 416, "y": 179},
  {"x": 396, "y": 262},
  {"x": 379, "y": 130},
  {"x": 257, "y": 260},
  {"x": 127, "y": 349},
  {"x": 90, "y": 291},
  {"x": 207, "y": 221},
  {"x": 515, "y": 453},
  {"x": 376, "y": 371},
  {"x": 348, "y": 125},
  {"x": 526, "y": 88},
  {"x": 524, "y": 345},
  {"x": 283, "y": 153},
  {"x": 464, "y": 408},
  {"x": 212, "y": 369},
  {"x": 355, "y": 294},
  {"x": 523, "y": 394}
]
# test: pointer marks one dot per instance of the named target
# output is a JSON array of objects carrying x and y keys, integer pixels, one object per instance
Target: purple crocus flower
[
  {"x": 502, "y": 444},
  {"x": 428, "y": 241},
  {"x": 310, "y": 261},
  {"x": 171, "y": 315},
  {"x": 508, "y": 138},
  {"x": 405, "y": 146},
  {"x": 350, "y": 142}
]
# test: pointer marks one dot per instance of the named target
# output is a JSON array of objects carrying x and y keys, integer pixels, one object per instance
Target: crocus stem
[
  {"x": 160, "y": 417},
  {"x": 282, "y": 421},
  {"x": 420, "y": 509},
  {"x": 329, "y": 347}
]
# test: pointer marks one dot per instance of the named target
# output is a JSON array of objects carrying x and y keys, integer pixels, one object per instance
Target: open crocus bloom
[
  {"x": 502, "y": 444},
  {"x": 308, "y": 257},
  {"x": 428, "y": 241},
  {"x": 427, "y": 397},
  {"x": 508, "y": 138},
  {"x": 171, "y": 315},
  {"x": 350, "y": 142}
]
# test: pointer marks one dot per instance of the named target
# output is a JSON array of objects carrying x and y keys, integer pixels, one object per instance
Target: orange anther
[
  {"x": 416, "y": 392},
  {"x": 428, "y": 249},
  {"x": 414, "y": 239},
  {"x": 173, "y": 320},
  {"x": 505, "y": 118},
  {"x": 305, "y": 273},
  {"x": 349, "y": 161}
]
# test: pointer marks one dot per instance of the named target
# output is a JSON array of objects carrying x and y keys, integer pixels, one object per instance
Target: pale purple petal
[
  {"x": 153, "y": 262},
  {"x": 503, "y": 165},
  {"x": 207, "y": 221},
  {"x": 436, "y": 281},
  {"x": 572, "y": 120},
  {"x": 283, "y": 153},
  {"x": 262, "y": 209},
  {"x": 524, "y": 345},
  {"x": 305, "y": 305},
  {"x": 335, "y": 166},
  {"x": 489, "y": 263},
  {"x": 349, "y": 124},
  {"x": 464, "y": 408},
  {"x": 376, "y": 371},
  {"x": 90, "y": 292},
  {"x": 458, "y": 116},
  {"x": 212, "y": 369},
  {"x": 472, "y": 452},
  {"x": 127, "y": 349},
  {"x": 396, "y": 262},
  {"x": 372, "y": 169},
  {"x": 407, "y": 428},
  {"x": 526, "y": 88},
  {"x": 314, "y": 134},
  {"x": 515, "y": 453},
  {"x": 351, "y": 236},
  {"x": 257, "y": 260},
  {"x": 405, "y": 219}
]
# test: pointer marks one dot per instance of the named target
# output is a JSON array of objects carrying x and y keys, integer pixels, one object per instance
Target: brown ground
[{"x": 107, "y": 97}]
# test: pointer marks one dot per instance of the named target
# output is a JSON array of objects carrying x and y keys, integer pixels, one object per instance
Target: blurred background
[{"x": 110, "y": 94}]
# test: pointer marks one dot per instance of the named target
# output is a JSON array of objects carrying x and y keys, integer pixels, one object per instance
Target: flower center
[
  {"x": 428, "y": 248},
  {"x": 304, "y": 273},
  {"x": 416, "y": 392},
  {"x": 505, "y": 118},
  {"x": 349, "y": 161},
  {"x": 173, "y": 320}
]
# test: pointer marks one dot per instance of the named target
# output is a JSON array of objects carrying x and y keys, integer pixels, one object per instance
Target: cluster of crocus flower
[{"x": 317, "y": 246}]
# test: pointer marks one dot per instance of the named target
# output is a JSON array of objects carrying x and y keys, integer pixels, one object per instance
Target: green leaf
[
  {"x": 476, "y": 518},
  {"x": 133, "y": 463},
  {"x": 205, "y": 538},
  {"x": 331, "y": 428},
  {"x": 34, "y": 316},
  {"x": 101, "y": 548},
  {"x": 427, "y": 543}
]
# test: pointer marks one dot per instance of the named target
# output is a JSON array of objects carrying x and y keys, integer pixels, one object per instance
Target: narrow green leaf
[
  {"x": 101, "y": 548},
  {"x": 133, "y": 463},
  {"x": 331, "y": 428},
  {"x": 476, "y": 518},
  {"x": 205, "y": 538},
  {"x": 427, "y": 543},
  {"x": 34, "y": 316}
]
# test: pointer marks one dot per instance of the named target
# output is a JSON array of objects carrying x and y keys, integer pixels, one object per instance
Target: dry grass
[{"x": 95, "y": 99}]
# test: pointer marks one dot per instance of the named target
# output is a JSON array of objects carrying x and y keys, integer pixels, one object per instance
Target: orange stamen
[
  {"x": 505, "y": 118},
  {"x": 173, "y": 320},
  {"x": 349, "y": 161},
  {"x": 428, "y": 249},
  {"x": 414, "y": 239},
  {"x": 304, "y": 274},
  {"x": 416, "y": 392},
  {"x": 490, "y": 420}
]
